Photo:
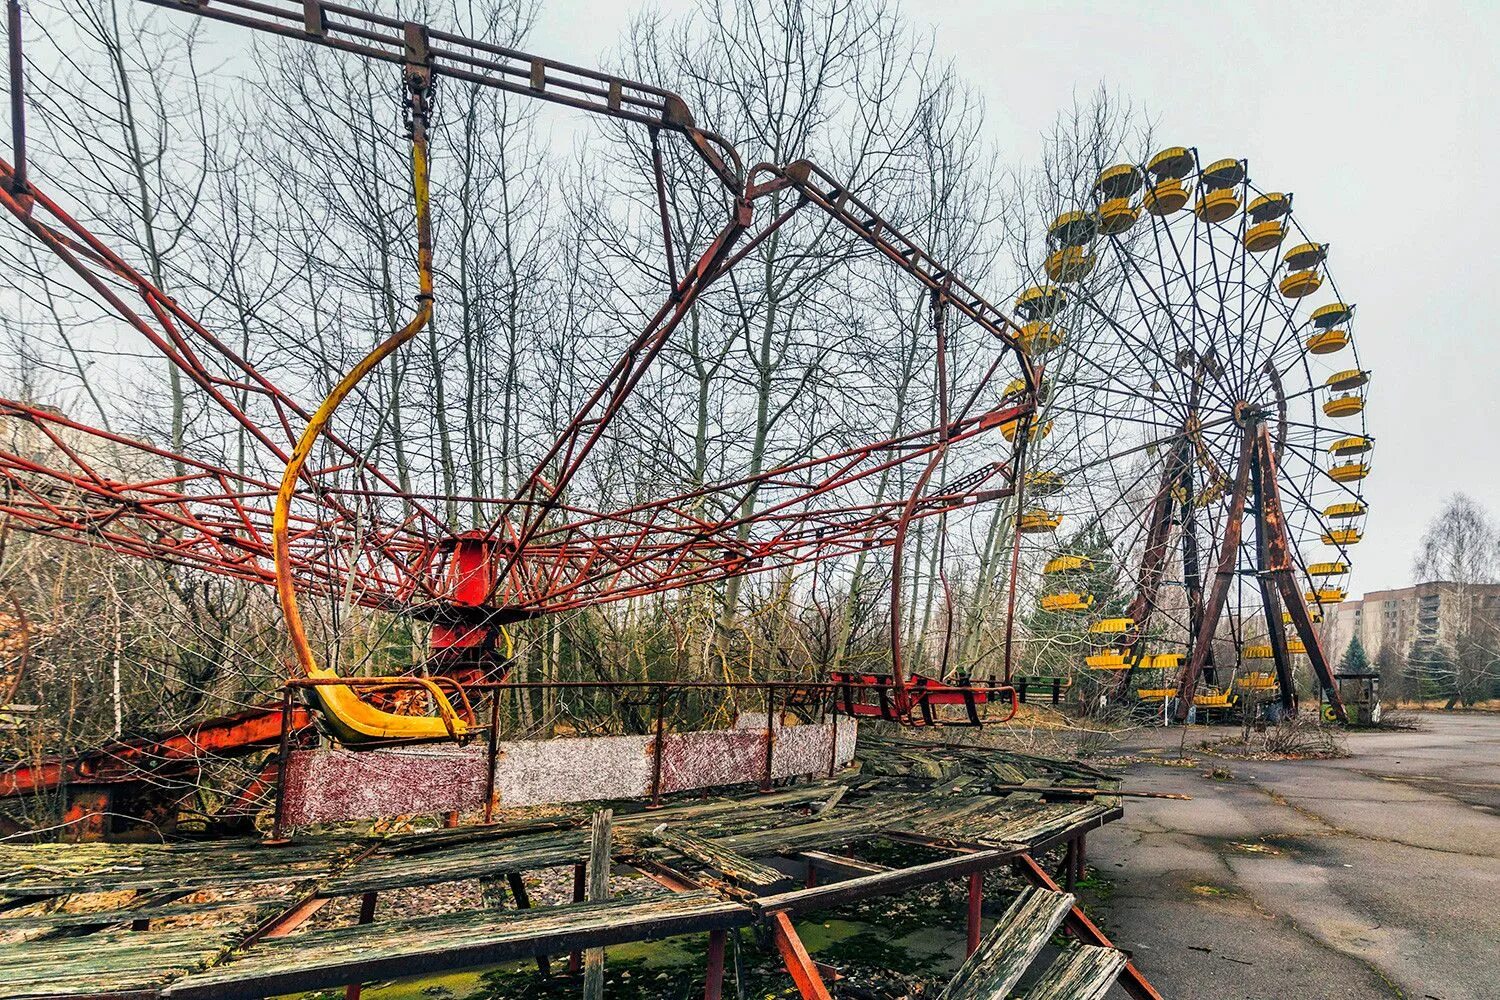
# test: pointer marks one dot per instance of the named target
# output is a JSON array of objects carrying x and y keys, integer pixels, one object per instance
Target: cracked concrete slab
[{"x": 1372, "y": 876}]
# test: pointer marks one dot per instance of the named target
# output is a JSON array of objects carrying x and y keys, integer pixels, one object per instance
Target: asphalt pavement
[{"x": 1376, "y": 875}]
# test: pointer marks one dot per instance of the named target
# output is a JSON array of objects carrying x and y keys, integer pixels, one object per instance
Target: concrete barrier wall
[{"x": 330, "y": 785}]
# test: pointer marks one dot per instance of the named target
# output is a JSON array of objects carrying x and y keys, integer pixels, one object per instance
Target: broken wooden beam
[
  {"x": 736, "y": 867},
  {"x": 600, "y": 835},
  {"x": 837, "y": 893}
]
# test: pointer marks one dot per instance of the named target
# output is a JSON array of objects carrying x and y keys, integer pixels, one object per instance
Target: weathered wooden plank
[
  {"x": 839, "y": 864},
  {"x": 106, "y": 918},
  {"x": 836, "y": 893},
  {"x": 600, "y": 840},
  {"x": 1008, "y": 951},
  {"x": 1082, "y": 972},
  {"x": 54, "y": 869},
  {"x": 470, "y": 860},
  {"x": 736, "y": 867},
  {"x": 406, "y": 947},
  {"x": 113, "y": 961}
]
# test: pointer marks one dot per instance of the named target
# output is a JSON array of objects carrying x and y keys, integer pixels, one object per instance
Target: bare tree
[{"x": 1460, "y": 554}]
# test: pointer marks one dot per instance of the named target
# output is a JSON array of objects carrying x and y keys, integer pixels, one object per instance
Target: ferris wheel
[{"x": 1195, "y": 469}]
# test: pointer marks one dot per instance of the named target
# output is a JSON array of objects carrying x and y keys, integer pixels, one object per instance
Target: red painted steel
[
  {"x": 975, "y": 926},
  {"x": 803, "y": 969},
  {"x": 541, "y": 554},
  {"x": 136, "y": 760}
]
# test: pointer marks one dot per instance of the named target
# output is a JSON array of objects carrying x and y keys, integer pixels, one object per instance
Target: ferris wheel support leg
[
  {"x": 1224, "y": 575},
  {"x": 1153, "y": 563},
  {"x": 1270, "y": 594},
  {"x": 1280, "y": 570}
]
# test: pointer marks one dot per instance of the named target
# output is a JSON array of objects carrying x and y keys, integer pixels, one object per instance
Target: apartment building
[{"x": 1421, "y": 617}]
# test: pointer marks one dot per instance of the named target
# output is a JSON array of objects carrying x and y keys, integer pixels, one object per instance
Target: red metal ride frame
[{"x": 541, "y": 554}]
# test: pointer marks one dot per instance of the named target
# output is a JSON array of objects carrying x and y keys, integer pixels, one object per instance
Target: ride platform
[{"x": 217, "y": 919}]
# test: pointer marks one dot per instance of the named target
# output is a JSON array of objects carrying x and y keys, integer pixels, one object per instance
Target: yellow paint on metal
[
  {"x": 1342, "y": 536},
  {"x": 1117, "y": 215},
  {"x": 1069, "y": 264},
  {"x": 1300, "y": 283},
  {"x": 1263, "y": 236},
  {"x": 1215, "y": 699},
  {"x": 1333, "y": 314},
  {"x": 1109, "y": 626},
  {"x": 1174, "y": 162},
  {"x": 354, "y": 719},
  {"x": 1338, "y": 568},
  {"x": 1166, "y": 197},
  {"x": 1073, "y": 229},
  {"x": 1155, "y": 694},
  {"x": 1162, "y": 661},
  {"x": 1041, "y": 301},
  {"x": 1352, "y": 508},
  {"x": 1268, "y": 206},
  {"x": 1355, "y": 445},
  {"x": 1256, "y": 681},
  {"x": 1328, "y": 341},
  {"x": 1039, "y": 521},
  {"x": 1347, "y": 405},
  {"x": 1352, "y": 378},
  {"x": 1217, "y": 205},
  {"x": 1039, "y": 337},
  {"x": 1305, "y": 255},
  {"x": 1349, "y": 472},
  {"x": 1067, "y": 602},
  {"x": 1109, "y": 659},
  {"x": 1039, "y": 429},
  {"x": 1119, "y": 181},
  {"x": 1223, "y": 174},
  {"x": 1068, "y": 564},
  {"x": 1044, "y": 484},
  {"x": 1325, "y": 595}
]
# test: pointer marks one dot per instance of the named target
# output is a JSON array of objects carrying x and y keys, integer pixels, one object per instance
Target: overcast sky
[{"x": 1379, "y": 116}]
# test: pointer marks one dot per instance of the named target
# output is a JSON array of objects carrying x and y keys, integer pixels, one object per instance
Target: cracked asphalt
[{"x": 1372, "y": 876}]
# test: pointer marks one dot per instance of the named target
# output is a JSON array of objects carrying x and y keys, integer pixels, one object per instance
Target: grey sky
[{"x": 1379, "y": 116}]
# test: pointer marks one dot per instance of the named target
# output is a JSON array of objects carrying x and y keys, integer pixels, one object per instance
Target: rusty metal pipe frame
[{"x": 391, "y": 40}]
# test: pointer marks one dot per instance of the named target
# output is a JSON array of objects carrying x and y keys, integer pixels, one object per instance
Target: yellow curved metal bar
[{"x": 352, "y": 717}]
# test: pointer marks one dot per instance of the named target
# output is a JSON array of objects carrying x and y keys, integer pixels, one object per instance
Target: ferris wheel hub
[{"x": 1248, "y": 414}]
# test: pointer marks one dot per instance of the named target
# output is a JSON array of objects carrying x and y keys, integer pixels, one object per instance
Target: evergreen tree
[{"x": 1354, "y": 660}]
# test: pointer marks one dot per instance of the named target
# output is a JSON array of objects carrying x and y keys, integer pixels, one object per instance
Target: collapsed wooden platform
[{"x": 217, "y": 920}]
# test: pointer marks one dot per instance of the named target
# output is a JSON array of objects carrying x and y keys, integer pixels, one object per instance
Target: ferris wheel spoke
[{"x": 1164, "y": 308}]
